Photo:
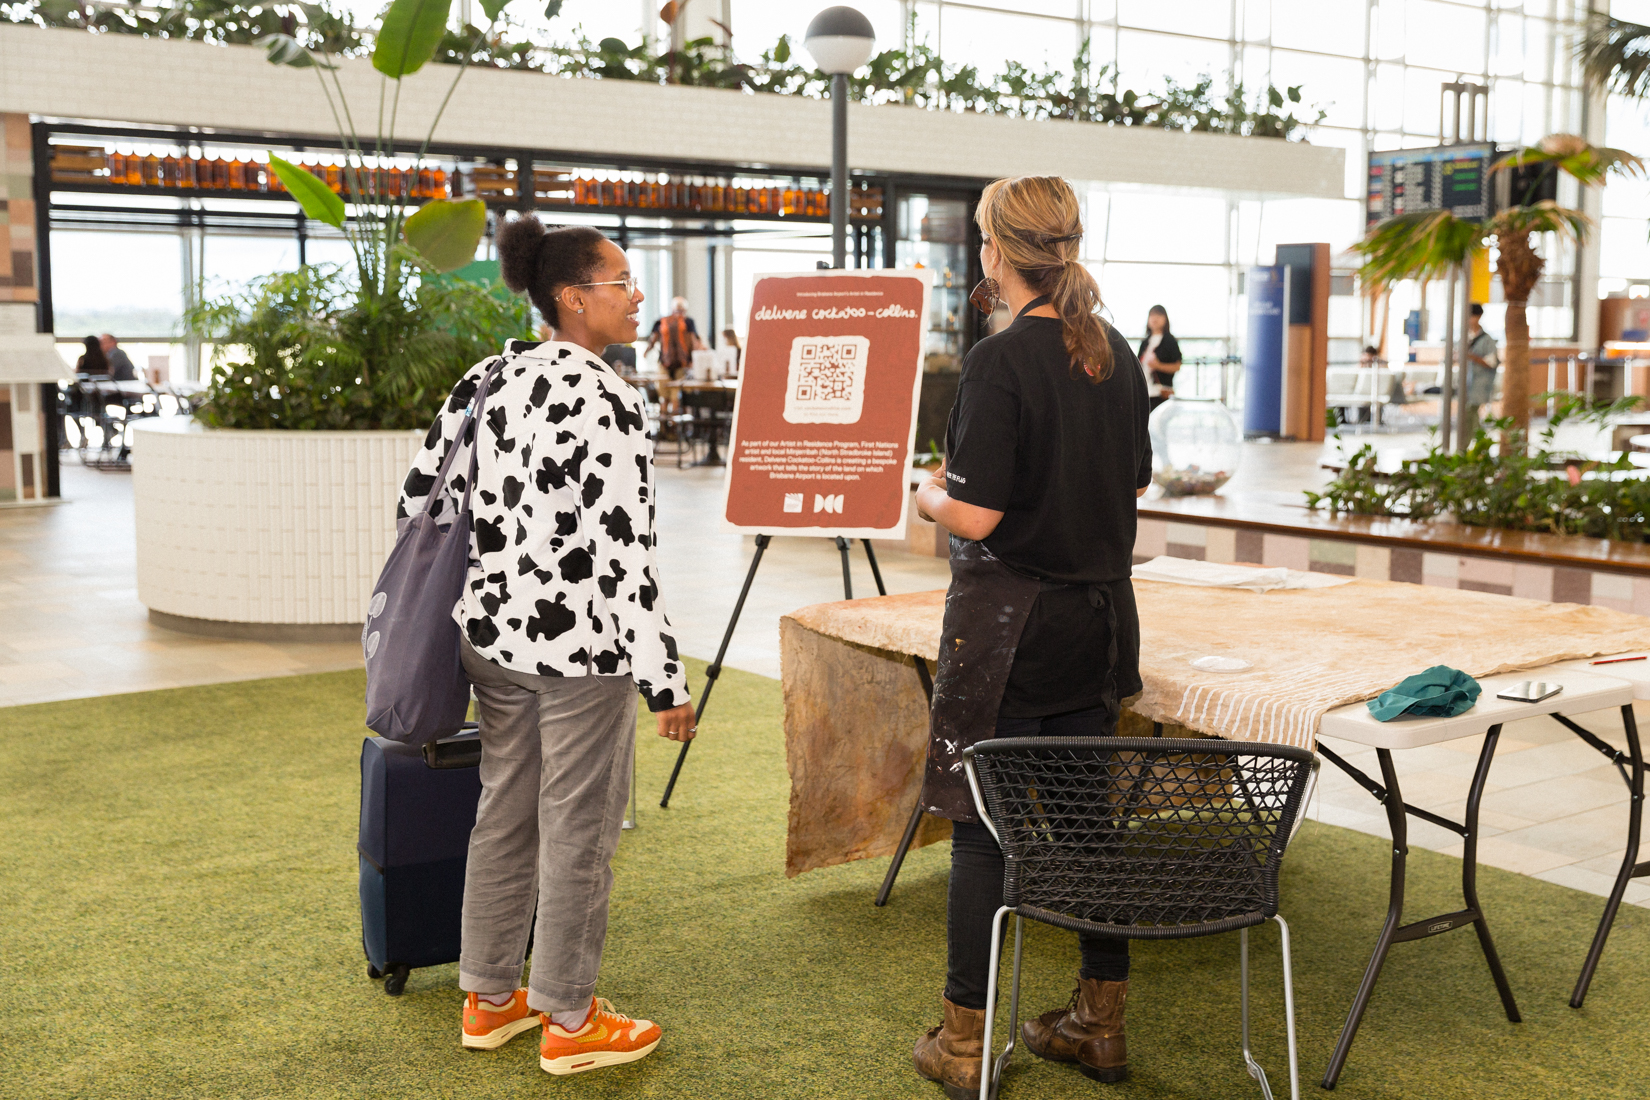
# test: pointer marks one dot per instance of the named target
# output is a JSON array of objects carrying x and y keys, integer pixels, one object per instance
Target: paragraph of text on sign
[{"x": 817, "y": 460}]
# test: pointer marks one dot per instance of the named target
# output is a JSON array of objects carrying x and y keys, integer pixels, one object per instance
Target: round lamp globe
[{"x": 840, "y": 40}]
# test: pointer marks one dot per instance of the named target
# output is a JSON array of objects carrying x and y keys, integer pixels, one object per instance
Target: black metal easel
[{"x": 843, "y": 545}]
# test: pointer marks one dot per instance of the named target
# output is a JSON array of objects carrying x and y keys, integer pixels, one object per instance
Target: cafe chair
[
  {"x": 1142, "y": 838},
  {"x": 705, "y": 417}
]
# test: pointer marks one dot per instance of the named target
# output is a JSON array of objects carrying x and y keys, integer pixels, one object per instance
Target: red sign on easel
[{"x": 827, "y": 411}]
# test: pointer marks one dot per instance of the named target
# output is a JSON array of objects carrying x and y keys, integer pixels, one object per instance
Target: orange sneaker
[
  {"x": 488, "y": 1026},
  {"x": 607, "y": 1038}
]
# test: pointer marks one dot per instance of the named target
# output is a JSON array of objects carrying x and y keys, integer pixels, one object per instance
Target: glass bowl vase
[{"x": 1196, "y": 445}]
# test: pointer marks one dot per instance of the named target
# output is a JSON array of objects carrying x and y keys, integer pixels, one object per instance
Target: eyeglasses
[
  {"x": 986, "y": 296},
  {"x": 629, "y": 284}
]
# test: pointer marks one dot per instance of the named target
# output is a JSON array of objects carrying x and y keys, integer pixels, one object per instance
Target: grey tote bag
[{"x": 416, "y": 688}]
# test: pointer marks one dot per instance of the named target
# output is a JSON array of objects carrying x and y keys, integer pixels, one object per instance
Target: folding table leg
[
  {"x": 1398, "y": 822},
  {"x": 1630, "y": 868},
  {"x": 1391, "y": 931},
  {"x": 1469, "y": 876}
]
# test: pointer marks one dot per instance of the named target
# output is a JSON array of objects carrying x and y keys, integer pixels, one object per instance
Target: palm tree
[
  {"x": 1428, "y": 245},
  {"x": 1615, "y": 55}
]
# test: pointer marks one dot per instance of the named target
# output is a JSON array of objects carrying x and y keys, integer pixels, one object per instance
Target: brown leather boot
[
  {"x": 1088, "y": 1031},
  {"x": 951, "y": 1053}
]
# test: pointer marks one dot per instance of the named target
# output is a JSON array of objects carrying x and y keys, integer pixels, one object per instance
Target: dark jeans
[{"x": 977, "y": 884}]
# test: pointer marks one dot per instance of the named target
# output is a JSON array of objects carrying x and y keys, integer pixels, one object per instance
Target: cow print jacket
[{"x": 563, "y": 579}]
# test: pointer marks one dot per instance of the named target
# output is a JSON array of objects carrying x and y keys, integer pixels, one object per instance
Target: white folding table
[{"x": 1584, "y": 690}]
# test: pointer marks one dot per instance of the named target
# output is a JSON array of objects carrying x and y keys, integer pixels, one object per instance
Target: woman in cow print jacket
[{"x": 563, "y": 622}]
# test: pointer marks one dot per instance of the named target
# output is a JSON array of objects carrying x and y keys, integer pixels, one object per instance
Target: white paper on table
[{"x": 1214, "y": 574}]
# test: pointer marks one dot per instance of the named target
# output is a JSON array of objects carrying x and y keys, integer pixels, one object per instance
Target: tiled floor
[{"x": 1555, "y": 809}]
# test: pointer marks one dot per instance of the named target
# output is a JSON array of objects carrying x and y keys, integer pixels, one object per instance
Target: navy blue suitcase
[{"x": 418, "y": 805}]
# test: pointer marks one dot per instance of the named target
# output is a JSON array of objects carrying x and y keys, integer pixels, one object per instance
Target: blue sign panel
[{"x": 1263, "y": 352}]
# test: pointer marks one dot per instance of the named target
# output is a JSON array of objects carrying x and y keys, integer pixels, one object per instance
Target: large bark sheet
[{"x": 856, "y": 723}]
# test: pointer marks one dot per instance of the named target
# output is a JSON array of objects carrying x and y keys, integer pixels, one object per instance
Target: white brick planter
[{"x": 267, "y": 534}]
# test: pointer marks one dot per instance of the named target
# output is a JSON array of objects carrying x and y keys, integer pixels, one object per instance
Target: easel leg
[
  {"x": 847, "y": 577},
  {"x": 1630, "y": 868},
  {"x": 916, "y": 811},
  {"x": 876, "y": 574},
  {"x": 715, "y": 668}
]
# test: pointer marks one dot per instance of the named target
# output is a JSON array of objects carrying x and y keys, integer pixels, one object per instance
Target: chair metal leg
[
  {"x": 1001, "y": 1063},
  {"x": 1249, "y": 1062},
  {"x": 987, "y": 1082},
  {"x": 1289, "y": 1010},
  {"x": 1630, "y": 867}
]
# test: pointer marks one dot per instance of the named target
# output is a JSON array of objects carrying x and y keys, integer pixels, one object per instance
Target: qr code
[{"x": 826, "y": 381}]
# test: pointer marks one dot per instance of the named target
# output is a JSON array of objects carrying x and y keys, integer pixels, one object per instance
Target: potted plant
[{"x": 270, "y": 514}]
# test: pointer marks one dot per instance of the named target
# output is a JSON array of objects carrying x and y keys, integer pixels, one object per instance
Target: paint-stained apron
[{"x": 986, "y": 608}]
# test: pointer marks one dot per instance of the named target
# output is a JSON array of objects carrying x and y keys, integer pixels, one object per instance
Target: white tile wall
[
  {"x": 123, "y": 78},
  {"x": 264, "y": 527}
]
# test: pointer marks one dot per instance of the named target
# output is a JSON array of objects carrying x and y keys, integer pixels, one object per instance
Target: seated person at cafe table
[{"x": 1046, "y": 452}]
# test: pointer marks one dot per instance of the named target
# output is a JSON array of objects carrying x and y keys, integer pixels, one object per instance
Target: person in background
[
  {"x": 120, "y": 364},
  {"x": 1482, "y": 363},
  {"x": 1046, "y": 453},
  {"x": 677, "y": 338},
  {"x": 1159, "y": 356},
  {"x": 730, "y": 339},
  {"x": 93, "y": 362},
  {"x": 563, "y": 622}
]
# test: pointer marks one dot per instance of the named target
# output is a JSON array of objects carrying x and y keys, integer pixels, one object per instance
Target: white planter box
[{"x": 279, "y": 528}]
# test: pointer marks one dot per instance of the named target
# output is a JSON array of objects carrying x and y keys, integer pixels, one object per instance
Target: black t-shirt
[{"x": 1061, "y": 457}]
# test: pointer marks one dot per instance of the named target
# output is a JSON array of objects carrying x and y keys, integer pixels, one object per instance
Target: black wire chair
[{"x": 1143, "y": 838}]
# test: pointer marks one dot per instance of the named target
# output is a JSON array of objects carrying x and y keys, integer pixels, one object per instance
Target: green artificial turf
[{"x": 178, "y": 919}]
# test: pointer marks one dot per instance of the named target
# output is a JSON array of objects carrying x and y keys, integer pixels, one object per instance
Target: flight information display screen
[{"x": 1409, "y": 181}]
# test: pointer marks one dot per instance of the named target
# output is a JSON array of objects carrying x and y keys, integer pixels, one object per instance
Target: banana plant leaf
[
  {"x": 445, "y": 232},
  {"x": 316, "y": 198},
  {"x": 411, "y": 31}
]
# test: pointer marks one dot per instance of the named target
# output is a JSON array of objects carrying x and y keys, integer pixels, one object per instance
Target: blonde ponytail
[{"x": 1036, "y": 225}]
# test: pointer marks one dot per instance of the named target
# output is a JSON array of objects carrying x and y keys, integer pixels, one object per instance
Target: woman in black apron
[{"x": 1046, "y": 452}]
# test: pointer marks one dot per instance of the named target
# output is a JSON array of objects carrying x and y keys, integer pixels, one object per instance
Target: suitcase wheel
[
  {"x": 373, "y": 972},
  {"x": 395, "y": 979}
]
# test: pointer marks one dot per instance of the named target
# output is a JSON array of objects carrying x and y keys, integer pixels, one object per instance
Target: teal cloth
[{"x": 1439, "y": 692}]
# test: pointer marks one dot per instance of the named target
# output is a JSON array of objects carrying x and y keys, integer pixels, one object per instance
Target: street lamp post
[{"x": 840, "y": 40}]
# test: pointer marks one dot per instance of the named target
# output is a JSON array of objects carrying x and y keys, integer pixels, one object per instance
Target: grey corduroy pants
[{"x": 555, "y": 778}]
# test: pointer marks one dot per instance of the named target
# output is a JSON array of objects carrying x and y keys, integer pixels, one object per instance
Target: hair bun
[{"x": 519, "y": 242}]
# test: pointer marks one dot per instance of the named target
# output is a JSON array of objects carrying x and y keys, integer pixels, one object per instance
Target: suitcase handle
[{"x": 454, "y": 752}]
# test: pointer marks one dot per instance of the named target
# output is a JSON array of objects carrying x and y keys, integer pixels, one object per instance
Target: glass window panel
[
  {"x": 1257, "y": 22},
  {"x": 1508, "y": 44},
  {"x": 232, "y": 262},
  {"x": 1207, "y": 18},
  {"x": 988, "y": 40},
  {"x": 1256, "y": 62},
  {"x": 1294, "y": 221},
  {"x": 1624, "y": 252},
  {"x": 1446, "y": 35},
  {"x": 1328, "y": 26},
  {"x": 1194, "y": 297},
  {"x": 1387, "y": 30},
  {"x": 1507, "y": 112},
  {"x": 1332, "y": 83},
  {"x": 1539, "y": 49},
  {"x": 1387, "y": 97},
  {"x": 1096, "y": 219},
  {"x": 130, "y": 284},
  {"x": 1065, "y": 9},
  {"x": 1182, "y": 228},
  {"x": 1422, "y": 91},
  {"x": 1248, "y": 233},
  {"x": 1634, "y": 11},
  {"x": 1144, "y": 59},
  {"x": 595, "y": 19},
  {"x": 1538, "y": 114}
]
